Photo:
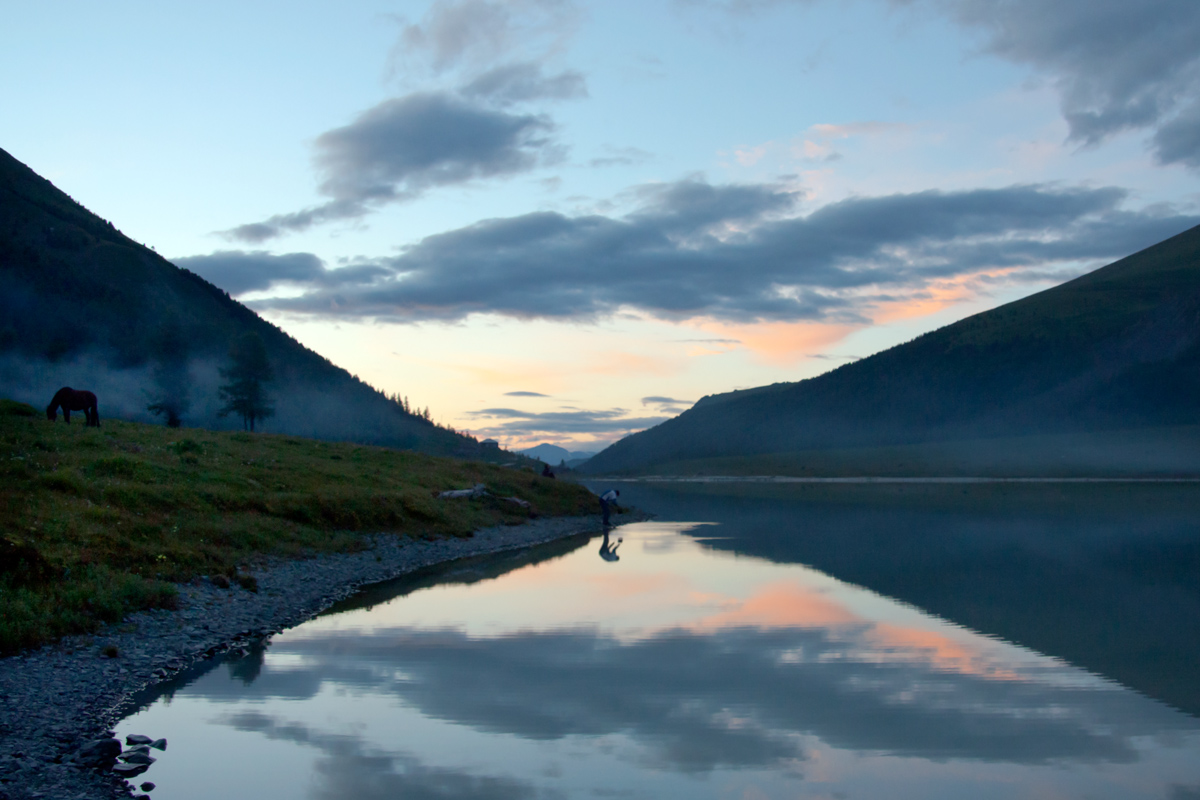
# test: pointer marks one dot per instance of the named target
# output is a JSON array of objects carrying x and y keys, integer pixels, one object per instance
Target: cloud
[
  {"x": 521, "y": 82},
  {"x": 694, "y": 250},
  {"x": 827, "y": 357},
  {"x": 238, "y": 271},
  {"x": 405, "y": 146},
  {"x": 1178, "y": 141},
  {"x": 620, "y": 157},
  {"x": 514, "y": 422},
  {"x": 665, "y": 401},
  {"x": 525, "y": 394},
  {"x": 1116, "y": 65},
  {"x": 473, "y": 33}
]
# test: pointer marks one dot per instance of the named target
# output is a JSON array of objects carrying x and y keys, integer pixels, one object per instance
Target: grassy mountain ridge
[
  {"x": 1114, "y": 349},
  {"x": 83, "y": 305}
]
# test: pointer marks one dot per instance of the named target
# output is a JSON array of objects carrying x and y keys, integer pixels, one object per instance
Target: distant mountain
[
  {"x": 555, "y": 455},
  {"x": 1118, "y": 348},
  {"x": 83, "y": 305}
]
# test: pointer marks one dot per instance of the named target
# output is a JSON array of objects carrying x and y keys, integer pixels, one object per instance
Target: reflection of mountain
[
  {"x": 1117, "y": 348},
  {"x": 464, "y": 571},
  {"x": 1104, "y": 576},
  {"x": 735, "y": 697}
]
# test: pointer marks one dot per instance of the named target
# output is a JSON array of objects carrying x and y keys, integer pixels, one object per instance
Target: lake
[{"x": 755, "y": 640}]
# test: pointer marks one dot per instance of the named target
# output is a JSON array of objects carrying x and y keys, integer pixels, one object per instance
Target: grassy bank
[{"x": 96, "y": 523}]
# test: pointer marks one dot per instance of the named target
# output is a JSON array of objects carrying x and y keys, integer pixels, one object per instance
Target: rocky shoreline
[{"x": 60, "y": 700}]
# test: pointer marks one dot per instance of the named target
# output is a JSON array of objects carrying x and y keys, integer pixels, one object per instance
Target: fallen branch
[{"x": 478, "y": 490}]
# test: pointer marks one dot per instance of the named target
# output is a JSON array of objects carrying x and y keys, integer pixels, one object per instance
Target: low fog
[{"x": 337, "y": 412}]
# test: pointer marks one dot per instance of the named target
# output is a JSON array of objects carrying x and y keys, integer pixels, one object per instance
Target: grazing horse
[{"x": 71, "y": 400}]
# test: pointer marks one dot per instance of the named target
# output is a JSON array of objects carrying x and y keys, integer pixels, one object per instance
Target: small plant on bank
[{"x": 110, "y": 651}]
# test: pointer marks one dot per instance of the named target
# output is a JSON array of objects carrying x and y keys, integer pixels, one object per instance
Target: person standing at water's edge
[{"x": 608, "y": 501}]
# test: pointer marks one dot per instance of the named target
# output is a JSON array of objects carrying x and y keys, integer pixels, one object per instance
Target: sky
[{"x": 565, "y": 221}]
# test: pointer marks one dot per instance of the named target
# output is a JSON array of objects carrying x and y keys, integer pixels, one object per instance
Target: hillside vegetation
[
  {"x": 83, "y": 305},
  {"x": 97, "y": 523},
  {"x": 1116, "y": 349}
]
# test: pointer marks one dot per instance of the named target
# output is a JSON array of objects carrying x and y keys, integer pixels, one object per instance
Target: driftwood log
[{"x": 479, "y": 490}]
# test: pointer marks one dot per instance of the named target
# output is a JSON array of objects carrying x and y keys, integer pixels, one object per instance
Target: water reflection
[
  {"x": 691, "y": 670},
  {"x": 608, "y": 551},
  {"x": 1105, "y": 576}
]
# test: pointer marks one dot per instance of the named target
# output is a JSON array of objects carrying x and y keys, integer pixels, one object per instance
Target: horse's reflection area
[{"x": 609, "y": 551}]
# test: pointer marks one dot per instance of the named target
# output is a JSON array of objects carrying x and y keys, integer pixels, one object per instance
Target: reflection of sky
[{"x": 676, "y": 672}]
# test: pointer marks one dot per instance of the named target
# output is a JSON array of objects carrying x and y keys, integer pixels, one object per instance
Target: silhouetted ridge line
[{"x": 1118, "y": 348}]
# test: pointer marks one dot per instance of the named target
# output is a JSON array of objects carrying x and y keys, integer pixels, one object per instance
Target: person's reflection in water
[
  {"x": 609, "y": 551},
  {"x": 247, "y": 668}
]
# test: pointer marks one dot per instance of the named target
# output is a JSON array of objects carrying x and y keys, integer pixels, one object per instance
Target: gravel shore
[{"x": 57, "y": 700}]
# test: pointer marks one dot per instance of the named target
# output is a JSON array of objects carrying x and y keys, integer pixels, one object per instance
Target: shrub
[{"x": 15, "y": 409}]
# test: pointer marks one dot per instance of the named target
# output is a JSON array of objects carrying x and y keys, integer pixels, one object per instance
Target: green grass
[{"x": 97, "y": 523}]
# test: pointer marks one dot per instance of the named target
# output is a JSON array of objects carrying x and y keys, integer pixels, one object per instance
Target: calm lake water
[{"x": 752, "y": 641}]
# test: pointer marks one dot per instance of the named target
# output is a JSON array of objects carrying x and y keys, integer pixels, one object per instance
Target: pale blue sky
[{"x": 649, "y": 170}]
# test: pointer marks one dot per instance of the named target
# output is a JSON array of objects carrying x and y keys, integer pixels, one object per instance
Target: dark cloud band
[
  {"x": 239, "y": 272},
  {"x": 726, "y": 252}
]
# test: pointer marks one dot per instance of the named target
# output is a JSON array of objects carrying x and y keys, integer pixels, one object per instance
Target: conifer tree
[
  {"x": 245, "y": 392},
  {"x": 170, "y": 398}
]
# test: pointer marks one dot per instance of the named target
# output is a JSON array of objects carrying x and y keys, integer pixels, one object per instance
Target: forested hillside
[
  {"x": 1116, "y": 349},
  {"x": 85, "y": 306}
]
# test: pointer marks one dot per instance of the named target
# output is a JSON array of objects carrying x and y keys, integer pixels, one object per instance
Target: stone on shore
[
  {"x": 138, "y": 758},
  {"x": 130, "y": 770},
  {"x": 99, "y": 753}
]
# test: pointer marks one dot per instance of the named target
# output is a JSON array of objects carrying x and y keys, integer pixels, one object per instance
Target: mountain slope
[
  {"x": 1116, "y": 348},
  {"x": 555, "y": 455},
  {"x": 85, "y": 306}
]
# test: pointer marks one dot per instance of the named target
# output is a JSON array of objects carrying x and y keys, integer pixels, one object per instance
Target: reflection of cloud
[
  {"x": 781, "y": 605},
  {"x": 854, "y": 685},
  {"x": 349, "y": 769}
]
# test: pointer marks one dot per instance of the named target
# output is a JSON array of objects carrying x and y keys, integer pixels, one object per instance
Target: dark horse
[{"x": 71, "y": 400}]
